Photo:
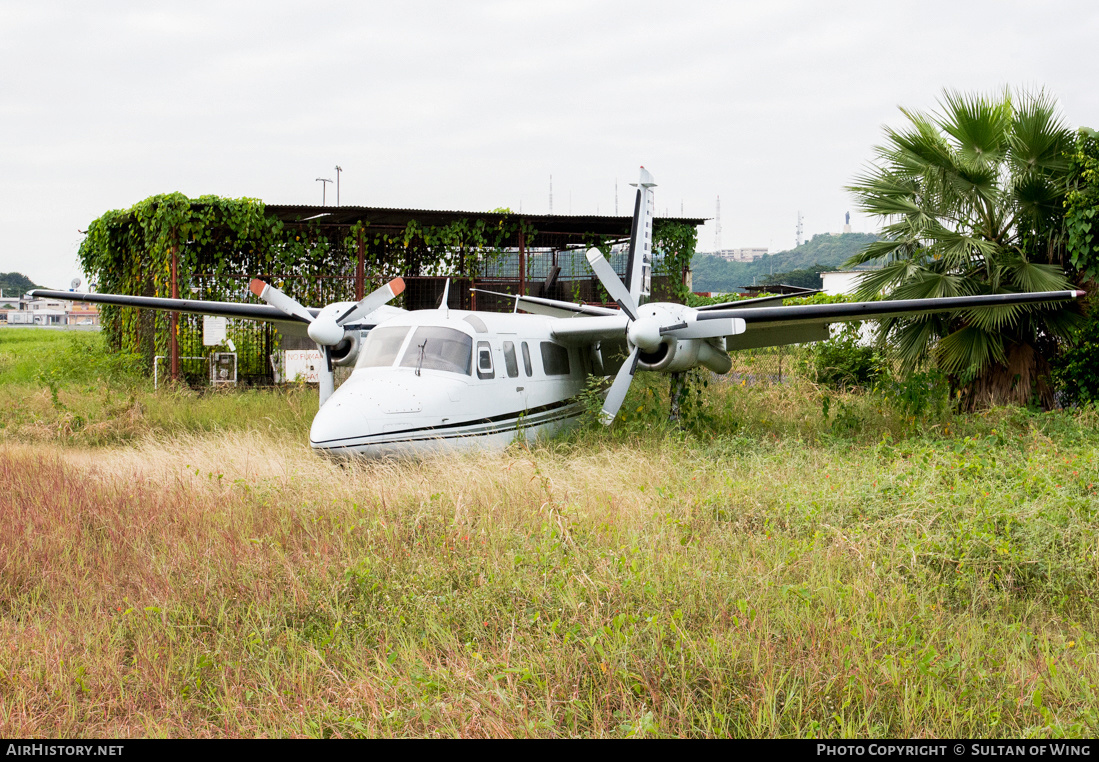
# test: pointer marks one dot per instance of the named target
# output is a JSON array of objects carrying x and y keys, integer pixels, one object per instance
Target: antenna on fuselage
[{"x": 444, "y": 303}]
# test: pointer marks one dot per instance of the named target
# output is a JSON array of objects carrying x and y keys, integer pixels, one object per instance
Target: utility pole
[
  {"x": 338, "y": 170},
  {"x": 324, "y": 187}
]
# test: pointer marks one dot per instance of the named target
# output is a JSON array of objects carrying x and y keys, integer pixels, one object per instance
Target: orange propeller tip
[
  {"x": 396, "y": 286},
  {"x": 256, "y": 286}
]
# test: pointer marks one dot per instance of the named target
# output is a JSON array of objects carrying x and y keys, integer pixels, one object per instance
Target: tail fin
[{"x": 639, "y": 267}]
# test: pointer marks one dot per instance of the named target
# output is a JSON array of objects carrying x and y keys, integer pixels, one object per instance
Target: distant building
[
  {"x": 82, "y": 313},
  {"x": 50, "y": 312},
  {"x": 749, "y": 254},
  {"x": 841, "y": 281}
]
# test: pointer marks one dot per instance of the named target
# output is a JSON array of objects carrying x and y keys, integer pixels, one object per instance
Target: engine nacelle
[
  {"x": 674, "y": 355},
  {"x": 346, "y": 352}
]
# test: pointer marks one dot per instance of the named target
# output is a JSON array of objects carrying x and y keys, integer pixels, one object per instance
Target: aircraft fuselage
[{"x": 446, "y": 380}]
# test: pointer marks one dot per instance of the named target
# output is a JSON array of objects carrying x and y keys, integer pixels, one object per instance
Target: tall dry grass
[{"x": 233, "y": 584}]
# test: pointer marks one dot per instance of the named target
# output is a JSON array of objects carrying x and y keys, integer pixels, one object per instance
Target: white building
[
  {"x": 748, "y": 254},
  {"x": 841, "y": 281},
  {"x": 51, "y": 312}
]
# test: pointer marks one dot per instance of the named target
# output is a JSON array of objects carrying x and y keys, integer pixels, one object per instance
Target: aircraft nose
[{"x": 340, "y": 422}]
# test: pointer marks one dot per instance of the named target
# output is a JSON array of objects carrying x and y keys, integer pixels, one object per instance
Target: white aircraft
[{"x": 443, "y": 380}]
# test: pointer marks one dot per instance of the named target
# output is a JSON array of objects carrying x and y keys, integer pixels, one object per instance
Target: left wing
[{"x": 191, "y": 306}]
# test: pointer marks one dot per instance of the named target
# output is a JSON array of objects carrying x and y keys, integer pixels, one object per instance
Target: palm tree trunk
[{"x": 1025, "y": 379}]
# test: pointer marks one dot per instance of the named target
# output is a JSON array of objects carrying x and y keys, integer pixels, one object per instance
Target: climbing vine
[
  {"x": 1082, "y": 204},
  {"x": 674, "y": 246},
  {"x": 221, "y": 243}
]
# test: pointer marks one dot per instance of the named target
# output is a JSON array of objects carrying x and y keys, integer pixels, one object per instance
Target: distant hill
[
  {"x": 16, "y": 284},
  {"x": 824, "y": 250}
]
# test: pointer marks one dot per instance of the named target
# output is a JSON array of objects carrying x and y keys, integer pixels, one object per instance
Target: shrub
[{"x": 843, "y": 363}]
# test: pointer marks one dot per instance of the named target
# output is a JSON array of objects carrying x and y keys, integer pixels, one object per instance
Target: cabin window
[
  {"x": 526, "y": 360},
  {"x": 381, "y": 347},
  {"x": 510, "y": 362},
  {"x": 484, "y": 360},
  {"x": 437, "y": 348},
  {"x": 555, "y": 359}
]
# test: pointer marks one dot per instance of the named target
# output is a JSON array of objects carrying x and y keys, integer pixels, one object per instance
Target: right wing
[{"x": 776, "y": 326}]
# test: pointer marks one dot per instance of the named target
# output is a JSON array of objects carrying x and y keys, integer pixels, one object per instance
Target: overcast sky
[{"x": 774, "y": 106}]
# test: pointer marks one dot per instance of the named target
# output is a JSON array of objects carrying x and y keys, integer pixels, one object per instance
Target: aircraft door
[{"x": 511, "y": 367}]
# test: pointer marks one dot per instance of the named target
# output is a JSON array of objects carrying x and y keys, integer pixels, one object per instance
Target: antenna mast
[{"x": 717, "y": 226}]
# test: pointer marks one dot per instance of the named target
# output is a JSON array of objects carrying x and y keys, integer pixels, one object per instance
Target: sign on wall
[
  {"x": 303, "y": 365},
  {"x": 213, "y": 330}
]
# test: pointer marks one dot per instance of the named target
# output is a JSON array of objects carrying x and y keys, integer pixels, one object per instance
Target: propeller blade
[
  {"x": 706, "y": 329},
  {"x": 372, "y": 301},
  {"x": 617, "y": 394},
  {"x": 610, "y": 281},
  {"x": 279, "y": 300}
]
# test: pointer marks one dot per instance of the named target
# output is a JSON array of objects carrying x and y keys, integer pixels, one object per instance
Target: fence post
[{"x": 360, "y": 270}]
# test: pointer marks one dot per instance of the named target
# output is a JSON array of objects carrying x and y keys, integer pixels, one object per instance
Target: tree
[{"x": 971, "y": 199}]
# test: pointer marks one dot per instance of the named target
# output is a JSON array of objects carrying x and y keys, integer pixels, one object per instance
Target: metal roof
[{"x": 545, "y": 224}]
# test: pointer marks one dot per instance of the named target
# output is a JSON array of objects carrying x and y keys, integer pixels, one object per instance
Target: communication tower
[
  {"x": 717, "y": 226},
  {"x": 799, "y": 232}
]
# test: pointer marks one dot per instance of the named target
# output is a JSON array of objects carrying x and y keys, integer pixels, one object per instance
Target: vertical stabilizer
[{"x": 639, "y": 269}]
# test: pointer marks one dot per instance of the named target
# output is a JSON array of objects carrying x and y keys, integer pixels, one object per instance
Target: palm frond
[
  {"x": 969, "y": 349},
  {"x": 991, "y": 319},
  {"x": 1029, "y": 276},
  {"x": 911, "y": 340},
  {"x": 883, "y": 281},
  {"x": 930, "y": 284},
  {"x": 1039, "y": 137},
  {"x": 979, "y": 126}
]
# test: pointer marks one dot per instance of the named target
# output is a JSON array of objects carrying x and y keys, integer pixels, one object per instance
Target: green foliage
[
  {"x": 1082, "y": 204},
  {"x": 673, "y": 250},
  {"x": 919, "y": 397},
  {"x": 843, "y": 362},
  {"x": 1076, "y": 370},
  {"x": 16, "y": 284},
  {"x": 828, "y": 251},
  {"x": 972, "y": 201}
]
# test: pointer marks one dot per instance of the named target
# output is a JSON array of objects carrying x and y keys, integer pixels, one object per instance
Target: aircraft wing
[
  {"x": 192, "y": 306},
  {"x": 750, "y": 327},
  {"x": 774, "y": 326}
]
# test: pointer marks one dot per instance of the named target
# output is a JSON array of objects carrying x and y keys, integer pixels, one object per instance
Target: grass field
[{"x": 177, "y": 564}]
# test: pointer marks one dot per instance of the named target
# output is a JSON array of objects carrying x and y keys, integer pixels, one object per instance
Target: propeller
[
  {"x": 647, "y": 332},
  {"x": 327, "y": 328}
]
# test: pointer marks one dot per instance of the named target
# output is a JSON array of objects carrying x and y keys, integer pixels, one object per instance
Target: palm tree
[{"x": 971, "y": 202}]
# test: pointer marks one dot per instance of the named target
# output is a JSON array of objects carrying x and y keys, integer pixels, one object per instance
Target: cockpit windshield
[
  {"x": 381, "y": 347},
  {"x": 437, "y": 348}
]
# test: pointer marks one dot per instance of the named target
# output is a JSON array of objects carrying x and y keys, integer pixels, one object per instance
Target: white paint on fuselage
[{"x": 393, "y": 411}]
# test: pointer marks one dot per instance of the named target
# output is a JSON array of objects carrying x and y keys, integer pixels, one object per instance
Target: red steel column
[
  {"x": 522, "y": 263},
  {"x": 173, "y": 338}
]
